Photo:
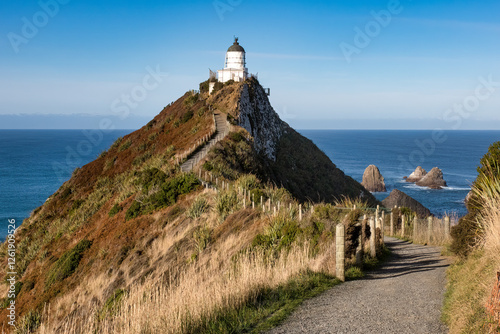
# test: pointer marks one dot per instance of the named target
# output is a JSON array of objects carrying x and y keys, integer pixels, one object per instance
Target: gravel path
[{"x": 405, "y": 295}]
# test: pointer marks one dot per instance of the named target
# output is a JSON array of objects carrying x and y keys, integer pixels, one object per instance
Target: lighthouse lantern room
[{"x": 235, "y": 64}]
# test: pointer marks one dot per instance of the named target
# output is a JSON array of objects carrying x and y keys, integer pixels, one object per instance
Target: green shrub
[
  {"x": 201, "y": 238},
  {"x": 116, "y": 143},
  {"x": 187, "y": 116},
  {"x": 204, "y": 86},
  {"x": 29, "y": 323},
  {"x": 151, "y": 177},
  {"x": 354, "y": 272},
  {"x": 468, "y": 232},
  {"x": 125, "y": 146},
  {"x": 281, "y": 233},
  {"x": 218, "y": 86},
  {"x": 256, "y": 194},
  {"x": 465, "y": 235},
  {"x": 248, "y": 182},
  {"x": 207, "y": 165},
  {"x": 199, "y": 206},
  {"x": 5, "y": 302},
  {"x": 191, "y": 100},
  {"x": 66, "y": 265},
  {"x": 112, "y": 304},
  {"x": 115, "y": 209},
  {"x": 225, "y": 203},
  {"x": 153, "y": 136},
  {"x": 201, "y": 111},
  {"x": 133, "y": 211},
  {"x": 65, "y": 193},
  {"x": 76, "y": 204},
  {"x": 236, "y": 136},
  {"x": 168, "y": 191}
]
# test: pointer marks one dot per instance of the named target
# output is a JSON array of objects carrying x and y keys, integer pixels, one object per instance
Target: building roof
[{"x": 236, "y": 46}]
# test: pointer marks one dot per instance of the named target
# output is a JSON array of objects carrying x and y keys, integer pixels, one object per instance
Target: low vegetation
[
  {"x": 67, "y": 263},
  {"x": 477, "y": 243}
]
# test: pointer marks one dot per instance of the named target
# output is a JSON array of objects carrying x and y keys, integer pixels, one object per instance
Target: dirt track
[{"x": 404, "y": 296}]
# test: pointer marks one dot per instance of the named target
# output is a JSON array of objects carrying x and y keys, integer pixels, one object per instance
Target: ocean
[
  {"x": 35, "y": 163},
  {"x": 398, "y": 152}
]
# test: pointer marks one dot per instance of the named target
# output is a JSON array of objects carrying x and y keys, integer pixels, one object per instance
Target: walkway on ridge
[
  {"x": 222, "y": 129},
  {"x": 405, "y": 295}
]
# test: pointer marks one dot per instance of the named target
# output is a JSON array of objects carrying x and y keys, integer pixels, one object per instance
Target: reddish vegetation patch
[
  {"x": 493, "y": 306},
  {"x": 112, "y": 237}
]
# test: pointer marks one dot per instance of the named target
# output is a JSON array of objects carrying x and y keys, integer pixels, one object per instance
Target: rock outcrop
[
  {"x": 257, "y": 116},
  {"x": 433, "y": 179},
  {"x": 399, "y": 198},
  {"x": 417, "y": 175},
  {"x": 372, "y": 179}
]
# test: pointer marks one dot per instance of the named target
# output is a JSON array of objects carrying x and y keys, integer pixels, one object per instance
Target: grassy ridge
[{"x": 477, "y": 243}]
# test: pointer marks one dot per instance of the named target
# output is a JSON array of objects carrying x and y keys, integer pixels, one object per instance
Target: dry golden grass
[
  {"x": 491, "y": 226},
  {"x": 421, "y": 234},
  {"x": 222, "y": 276},
  {"x": 198, "y": 293}
]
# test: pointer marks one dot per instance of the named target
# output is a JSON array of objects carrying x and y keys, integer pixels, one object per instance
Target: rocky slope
[
  {"x": 126, "y": 216},
  {"x": 400, "y": 199}
]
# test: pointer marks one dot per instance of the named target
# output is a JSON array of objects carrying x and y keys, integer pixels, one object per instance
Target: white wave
[{"x": 457, "y": 188}]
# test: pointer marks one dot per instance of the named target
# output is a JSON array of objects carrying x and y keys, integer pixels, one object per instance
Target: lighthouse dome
[{"x": 236, "y": 47}]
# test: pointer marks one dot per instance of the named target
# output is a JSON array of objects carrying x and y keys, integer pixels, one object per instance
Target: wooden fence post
[
  {"x": 300, "y": 212},
  {"x": 377, "y": 223},
  {"x": 363, "y": 232},
  {"x": 382, "y": 227},
  {"x": 373, "y": 235},
  {"x": 447, "y": 227},
  {"x": 392, "y": 222},
  {"x": 415, "y": 222},
  {"x": 429, "y": 228},
  {"x": 403, "y": 223},
  {"x": 340, "y": 252}
]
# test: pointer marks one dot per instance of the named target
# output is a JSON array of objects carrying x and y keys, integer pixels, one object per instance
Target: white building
[{"x": 235, "y": 65}]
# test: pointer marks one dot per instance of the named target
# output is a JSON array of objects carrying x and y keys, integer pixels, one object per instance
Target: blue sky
[{"x": 416, "y": 68}]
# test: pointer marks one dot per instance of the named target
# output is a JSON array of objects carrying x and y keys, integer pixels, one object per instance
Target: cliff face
[
  {"x": 257, "y": 116},
  {"x": 291, "y": 160}
]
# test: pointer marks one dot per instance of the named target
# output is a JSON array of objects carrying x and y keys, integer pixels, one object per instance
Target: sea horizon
[{"x": 30, "y": 176}]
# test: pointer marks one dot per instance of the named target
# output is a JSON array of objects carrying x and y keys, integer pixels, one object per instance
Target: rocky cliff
[{"x": 257, "y": 116}]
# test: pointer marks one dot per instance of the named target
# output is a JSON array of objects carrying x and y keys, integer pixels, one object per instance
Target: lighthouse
[{"x": 235, "y": 64}]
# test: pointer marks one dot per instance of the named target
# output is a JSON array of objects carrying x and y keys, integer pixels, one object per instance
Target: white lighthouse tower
[{"x": 235, "y": 65}]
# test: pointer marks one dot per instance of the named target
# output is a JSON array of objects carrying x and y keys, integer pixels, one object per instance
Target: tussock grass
[
  {"x": 226, "y": 203},
  {"x": 199, "y": 207},
  {"x": 472, "y": 278}
]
